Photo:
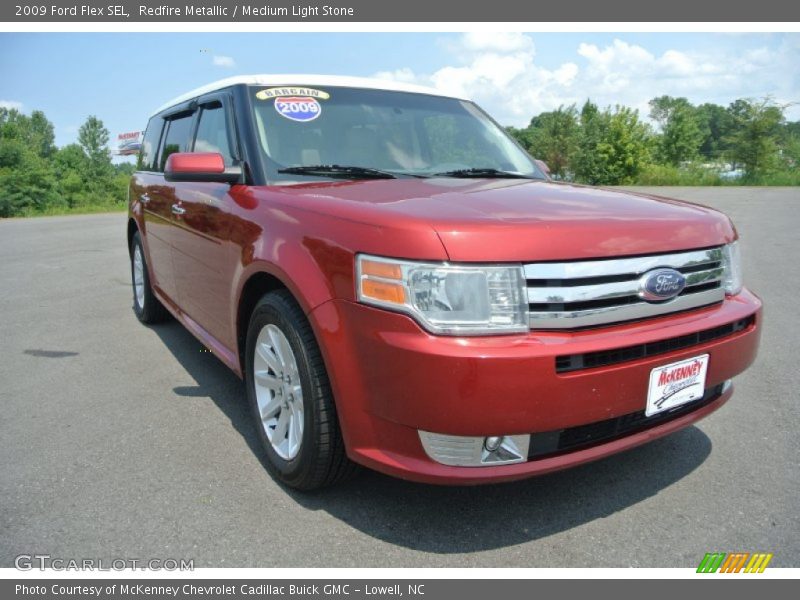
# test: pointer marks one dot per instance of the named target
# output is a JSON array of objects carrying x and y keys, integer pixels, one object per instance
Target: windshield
[{"x": 312, "y": 133}]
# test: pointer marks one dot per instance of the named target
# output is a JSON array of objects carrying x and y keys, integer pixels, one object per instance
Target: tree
[
  {"x": 614, "y": 146},
  {"x": 29, "y": 186},
  {"x": 71, "y": 159},
  {"x": 681, "y": 137},
  {"x": 715, "y": 124},
  {"x": 791, "y": 144},
  {"x": 41, "y": 135},
  {"x": 755, "y": 135},
  {"x": 553, "y": 137},
  {"x": 35, "y": 132},
  {"x": 93, "y": 138},
  {"x": 662, "y": 108},
  {"x": 12, "y": 153},
  {"x": 73, "y": 170},
  {"x": 10, "y": 123},
  {"x": 27, "y": 181},
  {"x": 681, "y": 131},
  {"x": 587, "y": 164},
  {"x": 523, "y": 136}
]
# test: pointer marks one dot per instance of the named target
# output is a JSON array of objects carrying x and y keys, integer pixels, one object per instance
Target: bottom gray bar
[{"x": 366, "y": 589}]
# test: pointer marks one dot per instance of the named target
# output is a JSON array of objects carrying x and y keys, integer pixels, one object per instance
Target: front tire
[
  {"x": 147, "y": 307},
  {"x": 290, "y": 397}
]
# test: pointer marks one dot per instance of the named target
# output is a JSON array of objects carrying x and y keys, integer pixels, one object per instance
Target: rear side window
[
  {"x": 212, "y": 133},
  {"x": 147, "y": 156},
  {"x": 177, "y": 138}
]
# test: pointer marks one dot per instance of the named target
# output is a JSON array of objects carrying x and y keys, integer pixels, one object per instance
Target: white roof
[{"x": 307, "y": 80}]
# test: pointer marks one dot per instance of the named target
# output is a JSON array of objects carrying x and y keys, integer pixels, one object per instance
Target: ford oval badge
[{"x": 661, "y": 284}]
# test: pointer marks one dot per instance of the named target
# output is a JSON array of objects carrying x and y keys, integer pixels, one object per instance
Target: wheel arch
[
  {"x": 133, "y": 227},
  {"x": 255, "y": 287},
  {"x": 305, "y": 278}
]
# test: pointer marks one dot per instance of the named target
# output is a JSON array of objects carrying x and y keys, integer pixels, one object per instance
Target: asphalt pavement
[{"x": 125, "y": 441}]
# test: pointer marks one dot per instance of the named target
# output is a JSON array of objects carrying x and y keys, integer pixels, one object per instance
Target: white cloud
[
  {"x": 566, "y": 74},
  {"x": 226, "y": 62},
  {"x": 11, "y": 104},
  {"x": 404, "y": 75},
  {"x": 501, "y": 73}
]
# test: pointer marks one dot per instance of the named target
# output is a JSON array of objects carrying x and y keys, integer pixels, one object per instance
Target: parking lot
[{"x": 122, "y": 441}]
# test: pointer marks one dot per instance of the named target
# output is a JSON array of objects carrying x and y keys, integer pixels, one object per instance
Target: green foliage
[
  {"x": 12, "y": 153},
  {"x": 791, "y": 151},
  {"x": 788, "y": 177},
  {"x": 655, "y": 174},
  {"x": 523, "y": 136},
  {"x": 663, "y": 107},
  {"x": 681, "y": 129},
  {"x": 614, "y": 146},
  {"x": 755, "y": 137},
  {"x": 716, "y": 125},
  {"x": 93, "y": 138},
  {"x": 694, "y": 145},
  {"x": 41, "y": 135},
  {"x": 29, "y": 186},
  {"x": 35, "y": 132},
  {"x": 667, "y": 175},
  {"x": 37, "y": 178},
  {"x": 553, "y": 136}
]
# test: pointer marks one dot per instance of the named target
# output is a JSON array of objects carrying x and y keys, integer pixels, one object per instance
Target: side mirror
[
  {"x": 200, "y": 167},
  {"x": 543, "y": 166}
]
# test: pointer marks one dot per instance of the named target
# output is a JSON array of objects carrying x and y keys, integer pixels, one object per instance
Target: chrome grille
[{"x": 570, "y": 295}]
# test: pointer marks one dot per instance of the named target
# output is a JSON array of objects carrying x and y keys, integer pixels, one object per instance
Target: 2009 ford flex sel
[{"x": 401, "y": 286}]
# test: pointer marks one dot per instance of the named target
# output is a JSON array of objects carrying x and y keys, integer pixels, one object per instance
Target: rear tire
[
  {"x": 147, "y": 307},
  {"x": 290, "y": 397}
]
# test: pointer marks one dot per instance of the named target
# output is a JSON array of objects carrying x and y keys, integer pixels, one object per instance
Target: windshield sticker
[
  {"x": 298, "y": 108},
  {"x": 278, "y": 92}
]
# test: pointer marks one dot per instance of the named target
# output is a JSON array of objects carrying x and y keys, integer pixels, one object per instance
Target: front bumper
[{"x": 392, "y": 379}]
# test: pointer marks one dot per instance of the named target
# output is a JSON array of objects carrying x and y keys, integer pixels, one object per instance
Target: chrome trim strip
[
  {"x": 582, "y": 293},
  {"x": 624, "y": 312},
  {"x": 701, "y": 277},
  {"x": 605, "y": 291},
  {"x": 621, "y": 266}
]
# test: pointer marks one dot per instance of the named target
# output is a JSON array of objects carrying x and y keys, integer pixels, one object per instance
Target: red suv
[{"x": 402, "y": 287}]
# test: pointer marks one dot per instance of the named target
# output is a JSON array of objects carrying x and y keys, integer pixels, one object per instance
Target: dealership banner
[
  {"x": 129, "y": 143},
  {"x": 405, "y": 11}
]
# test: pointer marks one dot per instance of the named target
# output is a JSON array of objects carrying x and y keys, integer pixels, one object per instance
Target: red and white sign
[
  {"x": 676, "y": 384},
  {"x": 129, "y": 143}
]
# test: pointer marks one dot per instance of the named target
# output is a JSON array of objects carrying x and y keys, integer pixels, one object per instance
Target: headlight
[
  {"x": 452, "y": 299},
  {"x": 732, "y": 269}
]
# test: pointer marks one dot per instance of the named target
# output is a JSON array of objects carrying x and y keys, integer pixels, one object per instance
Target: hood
[{"x": 519, "y": 220}]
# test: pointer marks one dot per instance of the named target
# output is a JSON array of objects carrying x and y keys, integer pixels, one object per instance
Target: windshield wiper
[
  {"x": 487, "y": 172},
  {"x": 339, "y": 171}
]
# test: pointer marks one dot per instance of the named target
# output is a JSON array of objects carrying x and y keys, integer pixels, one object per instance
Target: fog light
[
  {"x": 493, "y": 443},
  {"x": 475, "y": 451}
]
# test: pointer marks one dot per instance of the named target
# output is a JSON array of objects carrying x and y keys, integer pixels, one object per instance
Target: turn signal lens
[
  {"x": 373, "y": 268},
  {"x": 383, "y": 291}
]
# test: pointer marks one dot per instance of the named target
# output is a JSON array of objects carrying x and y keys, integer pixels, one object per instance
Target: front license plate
[{"x": 676, "y": 384}]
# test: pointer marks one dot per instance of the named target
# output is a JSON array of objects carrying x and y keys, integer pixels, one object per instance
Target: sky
[{"x": 122, "y": 77}]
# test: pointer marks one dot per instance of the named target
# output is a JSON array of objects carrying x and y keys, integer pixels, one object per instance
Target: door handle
[
  {"x": 178, "y": 210},
  {"x": 144, "y": 198}
]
